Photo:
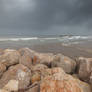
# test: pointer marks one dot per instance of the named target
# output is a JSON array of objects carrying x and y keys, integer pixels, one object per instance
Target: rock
[
  {"x": 26, "y": 51},
  {"x": 26, "y": 60},
  {"x": 34, "y": 89},
  {"x": 45, "y": 58},
  {"x": 64, "y": 62},
  {"x": 90, "y": 79},
  {"x": 84, "y": 69},
  {"x": 11, "y": 86},
  {"x": 35, "y": 77},
  {"x": 2, "y": 69},
  {"x": 30, "y": 55},
  {"x": 39, "y": 67},
  {"x": 36, "y": 72},
  {"x": 84, "y": 86},
  {"x": 18, "y": 72},
  {"x": 10, "y": 57},
  {"x": 75, "y": 76},
  {"x": 2, "y": 90},
  {"x": 59, "y": 81}
]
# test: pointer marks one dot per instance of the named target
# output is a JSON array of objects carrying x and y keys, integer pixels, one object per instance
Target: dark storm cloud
[{"x": 46, "y": 16}]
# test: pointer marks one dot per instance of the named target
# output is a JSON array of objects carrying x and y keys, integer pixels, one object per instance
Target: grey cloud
[{"x": 46, "y": 16}]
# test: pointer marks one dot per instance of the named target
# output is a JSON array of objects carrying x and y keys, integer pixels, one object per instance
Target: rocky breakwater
[{"x": 25, "y": 70}]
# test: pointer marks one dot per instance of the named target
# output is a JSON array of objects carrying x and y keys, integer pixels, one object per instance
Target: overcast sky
[{"x": 37, "y": 17}]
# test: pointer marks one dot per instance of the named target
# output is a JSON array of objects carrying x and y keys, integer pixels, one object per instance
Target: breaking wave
[{"x": 63, "y": 38}]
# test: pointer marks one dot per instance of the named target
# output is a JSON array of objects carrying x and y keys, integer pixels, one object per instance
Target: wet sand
[
  {"x": 76, "y": 50},
  {"x": 72, "y": 51}
]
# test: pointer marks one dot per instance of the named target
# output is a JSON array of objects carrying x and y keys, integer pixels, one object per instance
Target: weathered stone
[
  {"x": 39, "y": 67},
  {"x": 2, "y": 69},
  {"x": 3, "y": 90},
  {"x": 64, "y": 62},
  {"x": 84, "y": 86},
  {"x": 43, "y": 58},
  {"x": 46, "y": 58},
  {"x": 11, "y": 86},
  {"x": 10, "y": 57},
  {"x": 36, "y": 72},
  {"x": 34, "y": 89},
  {"x": 58, "y": 81},
  {"x": 18, "y": 72},
  {"x": 26, "y": 52},
  {"x": 90, "y": 79},
  {"x": 26, "y": 60},
  {"x": 84, "y": 69},
  {"x": 35, "y": 77}
]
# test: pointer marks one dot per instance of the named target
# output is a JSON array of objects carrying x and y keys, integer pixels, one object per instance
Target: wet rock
[
  {"x": 64, "y": 62},
  {"x": 2, "y": 69},
  {"x": 59, "y": 81},
  {"x": 10, "y": 57},
  {"x": 18, "y": 72},
  {"x": 84, "y": 68}
]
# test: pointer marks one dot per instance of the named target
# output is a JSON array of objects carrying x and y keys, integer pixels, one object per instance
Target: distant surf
[
  {"x": 29, "y": 41},
  {"x": 63, "y": 38}
]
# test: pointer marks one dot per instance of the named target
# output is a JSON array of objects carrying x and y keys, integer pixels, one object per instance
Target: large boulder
[
  {"x": 28, "y": 57},
  {"x": 26, "y": 60},
  {"x": 84, "y": 68},
  {"x": 34, "y": 88},
  {"x": 58, "y": 81},
  {"x": 12, "y": 85},
  {"x": 36, "y": 72},
  {"x": 2, "y": 69},
  {"x": 18, "y": 72},
  {"x": 64, "y": 62},
  {"x": 39, "y": 67},
  {"x": 10, "y": 57},
  {"x": 43, "y": 58}
]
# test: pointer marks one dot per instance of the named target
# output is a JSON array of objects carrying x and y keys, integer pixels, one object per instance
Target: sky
[{"x": 45, "y": 17}]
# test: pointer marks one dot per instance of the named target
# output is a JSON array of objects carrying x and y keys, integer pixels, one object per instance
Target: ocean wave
[
  {"x": 18, "y": 39},
  {"x": 63, "y": 39}
]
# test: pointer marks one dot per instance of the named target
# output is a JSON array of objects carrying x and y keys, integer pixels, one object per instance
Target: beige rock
[
  {"x": 59, "y": 81},
  {"x": 11, "y": 86},
  {"x": 35, "y": 77},
  {"x": 2, "y": 90},
  {"x": 26, "y": 60},
  {"x": 34, "y": 89},
  {"x": 84, "y": 69},
  {"x": 2, "y": 69},
  {"x": 26, "y": 52},
  {"x": 36, "y": 72},
  {"x": 43, "y": 58},
  {"x": 18, "y": 72},
  {"x": 84, "y": 86},
  {"x": 64, "y": 62},
  {"x": 10, "y": 57},
  {"x": 39, "y": 67}
]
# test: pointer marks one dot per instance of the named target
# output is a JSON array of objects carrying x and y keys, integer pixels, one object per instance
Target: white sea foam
[
  {"x": 18, "y": 39},
  {"x": 64, "y": 38}
]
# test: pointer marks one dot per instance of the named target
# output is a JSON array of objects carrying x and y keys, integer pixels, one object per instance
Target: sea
[{"x": 28, "y": 41}]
